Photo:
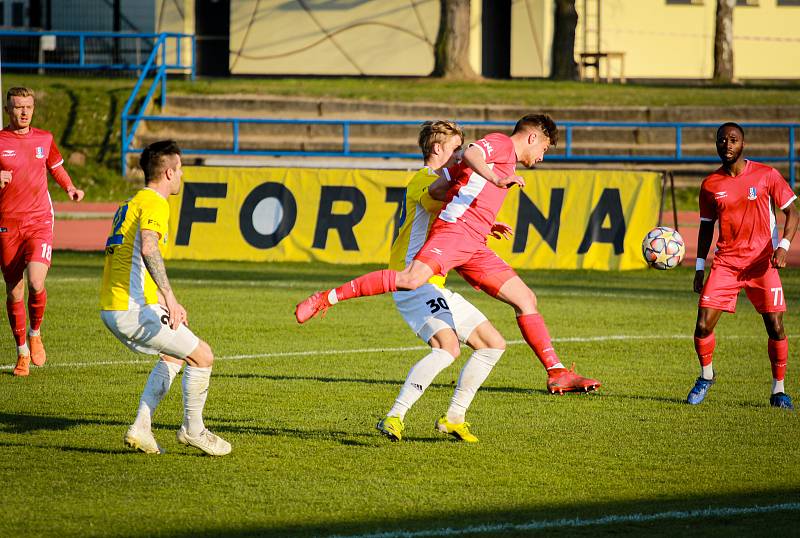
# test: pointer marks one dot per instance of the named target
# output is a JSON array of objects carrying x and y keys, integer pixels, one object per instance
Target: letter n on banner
[{"x": 529, "y": 214}]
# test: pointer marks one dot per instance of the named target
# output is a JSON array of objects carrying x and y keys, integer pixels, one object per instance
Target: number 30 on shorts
[
  {"x": 47, "y": 251},
  {"x": 437, "y": 304}
]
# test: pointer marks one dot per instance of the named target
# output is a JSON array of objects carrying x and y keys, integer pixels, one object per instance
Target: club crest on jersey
[
  {"x": 9, "y": 153},
  {"x": 751, "y": 193},
  {"x": 39, "y": 152}
]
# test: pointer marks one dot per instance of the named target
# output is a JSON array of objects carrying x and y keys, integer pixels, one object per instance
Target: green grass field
[{"x": 299, "y": 405}]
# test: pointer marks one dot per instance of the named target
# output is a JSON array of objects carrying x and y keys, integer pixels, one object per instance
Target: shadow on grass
[
  {"x": 26, "y": 423},
  {"x": 83, "y": 450},
  {"x": 747, "y": 513},
  {"x": 366, "y": 381}
]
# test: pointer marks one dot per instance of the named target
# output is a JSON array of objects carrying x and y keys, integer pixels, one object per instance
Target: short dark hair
[
  {"x": 154, "y": 157},
  {"x": 543, "y": 122},
  {"x": 731, "y": 124}
]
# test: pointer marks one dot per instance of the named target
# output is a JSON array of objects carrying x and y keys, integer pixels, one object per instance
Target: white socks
[
  {"x": 420, "y": 378},
  {"x": 195, "y": 391},
  {"x": 37, "y": 332},
  {"x": 474, "y": 373},
  {"x": 23, "y": 349},
  {"x": 777, "y": 386},
  {"x": 157, "y": 386},
  {"x": 707, "y": 372}
]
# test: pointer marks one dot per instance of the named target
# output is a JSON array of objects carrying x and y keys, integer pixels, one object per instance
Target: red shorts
[
  {"x": 22, "y": 243},
  {"x": 761, "y": 283},
  {"x": 448, "y": 247}
]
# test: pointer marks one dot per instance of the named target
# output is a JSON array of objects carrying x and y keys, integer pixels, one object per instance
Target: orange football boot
[
  {"x": 38, "y": 356},
  {"x": 561, "y": 380},
  {"x": 23, "y": 367}
]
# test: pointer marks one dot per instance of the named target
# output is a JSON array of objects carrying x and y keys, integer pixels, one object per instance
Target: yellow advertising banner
[{"x": 562, "y": 219}]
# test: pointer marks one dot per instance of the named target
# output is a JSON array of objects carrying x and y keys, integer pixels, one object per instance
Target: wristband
[
  {"x": 785, "y": 244},
  {"x": 700, "y": 264}
]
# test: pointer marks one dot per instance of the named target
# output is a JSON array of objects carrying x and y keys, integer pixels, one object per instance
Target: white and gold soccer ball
[{"x": 663, "y": 248}]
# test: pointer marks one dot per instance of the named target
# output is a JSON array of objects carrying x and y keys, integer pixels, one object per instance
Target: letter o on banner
[{"x": 268, "y": 214}]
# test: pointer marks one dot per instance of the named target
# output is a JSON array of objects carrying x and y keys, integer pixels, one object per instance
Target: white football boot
[
  {"x": 208, "y": 442},
  {"x": 142, "y": 440}
]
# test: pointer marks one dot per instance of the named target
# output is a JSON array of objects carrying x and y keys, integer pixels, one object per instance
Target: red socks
[
  {"x": 36, "y": 304},
  {"x": 534, "y": 331},
  {"x": 373, "y": 283},
  {"x": 778, "y": 352},
  {"x": 16, "y": 317},
  {"x": 705, "y": 348}
]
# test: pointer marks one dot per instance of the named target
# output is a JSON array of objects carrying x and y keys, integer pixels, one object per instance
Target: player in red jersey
[
  {"x": 26, "y": 220},
  {"x": 740, "y": 195},
  {"x": 457, "y": 240}
]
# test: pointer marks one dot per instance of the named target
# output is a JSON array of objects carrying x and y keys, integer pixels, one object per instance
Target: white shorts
[
  {"x": 148, "y": 331},
  {"x": 429, "y": 309}
]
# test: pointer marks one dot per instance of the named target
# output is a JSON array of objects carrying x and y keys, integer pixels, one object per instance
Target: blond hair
[
  {"x": 438, "y": 131},
  {"x": 19, "y": 91}
]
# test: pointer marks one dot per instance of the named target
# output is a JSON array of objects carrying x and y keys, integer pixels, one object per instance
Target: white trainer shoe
[
  {"x": 142, "y": 440},
  {"x": 208, "y": 442}
]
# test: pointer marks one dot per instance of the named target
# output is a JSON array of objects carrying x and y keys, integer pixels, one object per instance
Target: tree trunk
[
  {"x": 563, "y": 65},
  {"x": 723, "y": 42},
  {"x": 452, "y": 43}
]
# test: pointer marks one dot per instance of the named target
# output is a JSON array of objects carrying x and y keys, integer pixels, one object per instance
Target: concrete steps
[{"x": 402, "y": 138}]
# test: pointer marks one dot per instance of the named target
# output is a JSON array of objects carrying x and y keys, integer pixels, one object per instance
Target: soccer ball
[{"x": 663, "y": 248}]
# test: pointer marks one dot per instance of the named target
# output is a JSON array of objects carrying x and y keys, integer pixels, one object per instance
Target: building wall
[
  {"x": 660, "y": 38},
  {"x": 677, "y": 41},
  {"x": 176, "y": 16}
]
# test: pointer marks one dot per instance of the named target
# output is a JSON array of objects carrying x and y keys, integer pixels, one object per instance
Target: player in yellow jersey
[
  {"x": 437, "y": 315},
  {"x": 139, "y": 307}
]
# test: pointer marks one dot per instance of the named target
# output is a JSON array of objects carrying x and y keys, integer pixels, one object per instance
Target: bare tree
[
  {"x": 452, "y": 43},
  {"x": 563, "y": 65},
  {"x": 723, "y": 41}
]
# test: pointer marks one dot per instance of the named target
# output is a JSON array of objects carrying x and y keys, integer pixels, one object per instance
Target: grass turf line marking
[
  {"x": 278, "y": 354},
  {"x": 578, "y": 522}
]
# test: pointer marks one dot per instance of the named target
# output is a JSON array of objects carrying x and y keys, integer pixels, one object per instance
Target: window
[
  {"x": 747, "y": 2},
  {"x": 685, "y": 2},
  {"x": 788, "y": 2},
  {"x": 17, "y": 14}
]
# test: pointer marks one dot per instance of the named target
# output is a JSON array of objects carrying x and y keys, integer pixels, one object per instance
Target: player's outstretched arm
[
  {"x": 155, "y": 266},
  {"x": 473, "y": 157},
  {"x": 705, "y": 236},
  {"x": 789, "y": 229},
  {"x": 438, "y": 189}
]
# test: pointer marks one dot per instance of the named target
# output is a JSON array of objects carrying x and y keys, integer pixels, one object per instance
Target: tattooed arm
[{"x": 155, "y": 266}]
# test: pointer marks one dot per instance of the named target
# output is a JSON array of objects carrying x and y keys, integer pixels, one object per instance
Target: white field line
[
  {"x": 578, "y": 522},
  {"x": 317, "y": 353}
]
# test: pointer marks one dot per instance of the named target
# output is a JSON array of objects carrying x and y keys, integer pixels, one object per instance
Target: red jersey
[
  {"x": 473, "y": 200},
  {"x": 29, "y": 157},
  {"x": 743, "y": 206}
]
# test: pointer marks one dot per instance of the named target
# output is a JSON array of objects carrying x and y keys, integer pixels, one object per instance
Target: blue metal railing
[
  {"x": 159, "y": 81},
  {"x": 91, "y": 59},
  {"x": 569, "y": 155}
]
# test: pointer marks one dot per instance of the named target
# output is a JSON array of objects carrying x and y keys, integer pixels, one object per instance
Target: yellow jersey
[
  {"x": 126, "y": 282},
  {"x": 417, "y": 214}
]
